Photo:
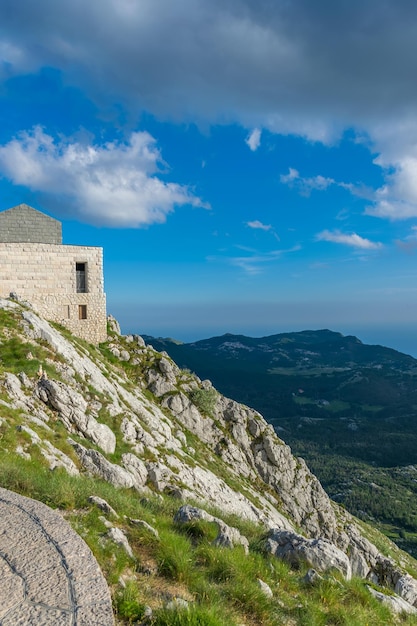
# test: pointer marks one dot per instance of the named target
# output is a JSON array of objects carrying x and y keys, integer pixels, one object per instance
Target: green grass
[
  {"x": 219, "y": 584},
  {"x": 128, "y": 604},
  {"x": 196, "y": 615}
]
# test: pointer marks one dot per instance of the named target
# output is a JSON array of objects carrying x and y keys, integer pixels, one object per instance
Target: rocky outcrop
[
  {"x": 396, "y": 604},
  {"x": 72, "y": 409},
  {"x": 227, "y": 536},
  {"x": 97, "y": 465},
  {"x": 319, "y": 554}
]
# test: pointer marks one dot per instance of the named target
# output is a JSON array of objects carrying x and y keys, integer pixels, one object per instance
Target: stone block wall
[
  {"x": 45, "y": 275},
  {"x": 24, "y": 224}
]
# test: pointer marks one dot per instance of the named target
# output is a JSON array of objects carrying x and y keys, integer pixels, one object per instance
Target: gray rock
[
  {"x": 159, "y": 385},
  {"x": 136, "y": 467},
  {"x": 227, "y": 537},
  {"x": 266, "y": 589},
  {"x": 406, "y": 587},
  {"x": 140, "y": 341},
  {"x": 396, "y": 604},
  {"x": 318, "y": 553},
  {"x": 145, "y": 525},
  {"x": 159, "y": 475},
  {"x": 119, "y": 537},
  {"x": 177, "y": 604},
  {"x": 96, "y": 464},
  {"x": 324, "y": 556},
  {"x": 114, "y": 325},
  {"x": 25, "y": 380},
  {"x": 166, "y": 366},
  {"x": 55, "y": 458},
  {"x": 188, "y": 513},
  {"x": 312, "y": 577},
  {"x": 21, "y": 452},
  {"x": 73, "y": 411},
  {"x": 358, "y": 562},
  {"x": 103, "y": 505},
  {"x": 105, "y": 521}
]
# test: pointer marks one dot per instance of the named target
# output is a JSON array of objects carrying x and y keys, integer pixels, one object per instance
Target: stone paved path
[{"x": 48, "y": 575}]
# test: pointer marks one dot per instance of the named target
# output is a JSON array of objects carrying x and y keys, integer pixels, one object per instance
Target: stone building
[{"x": 63, "y": 283}]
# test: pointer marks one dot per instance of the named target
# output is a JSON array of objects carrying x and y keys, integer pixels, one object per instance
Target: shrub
[{"x": 204, "y": 400}]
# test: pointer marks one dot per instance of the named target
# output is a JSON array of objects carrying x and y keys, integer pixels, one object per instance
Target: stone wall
[
  {"x": 45, "y": 275},
  {"x": 24, "y": 224}
]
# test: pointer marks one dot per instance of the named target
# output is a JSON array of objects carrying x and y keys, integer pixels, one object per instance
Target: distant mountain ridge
[{"x": 339, "y": 367}]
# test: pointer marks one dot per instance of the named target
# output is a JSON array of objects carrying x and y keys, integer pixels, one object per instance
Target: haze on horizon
[{"x": 247, "y": 167}]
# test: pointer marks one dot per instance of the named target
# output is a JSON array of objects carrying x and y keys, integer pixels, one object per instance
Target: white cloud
[
  {"x": 319, "y": 182},
  {"x": 353, "y": 240},
  {"x": 288, "y": 179},
  {"x": 254, "y": 261},
  {"x": 397, "y": 198},
  {"x": 114, "y": 184},
  {"x": 257, "y": 225},
  {"x": 253, "y": 140}
]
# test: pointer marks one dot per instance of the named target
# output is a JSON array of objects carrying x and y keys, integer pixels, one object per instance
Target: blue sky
[{"x": 247, "y": 167}]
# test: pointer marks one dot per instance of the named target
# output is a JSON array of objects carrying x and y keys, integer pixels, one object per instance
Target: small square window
[{"x": 82, "y": 311}]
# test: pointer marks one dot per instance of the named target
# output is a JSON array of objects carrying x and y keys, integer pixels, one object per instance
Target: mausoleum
[{"x": 63, "y": 283}]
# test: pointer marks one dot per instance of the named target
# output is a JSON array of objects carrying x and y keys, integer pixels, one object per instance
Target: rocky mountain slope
[
  {"x": 128, "y": 415},
  {"x": 346, "y": 407}
]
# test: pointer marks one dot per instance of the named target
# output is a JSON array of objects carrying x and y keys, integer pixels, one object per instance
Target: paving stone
[{"x": 49, "y": 576}]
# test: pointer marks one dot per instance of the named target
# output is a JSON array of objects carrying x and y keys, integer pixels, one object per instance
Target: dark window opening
[
  {"x": 82, "y": 311},
  {"x": 81, "y": 277}
]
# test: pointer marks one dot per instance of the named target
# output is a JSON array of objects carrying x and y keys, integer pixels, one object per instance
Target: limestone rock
[
  {"x": 227, "y": 537},
  {"x": 318, "y": 553},
  {"x": 324, "y": 556},
  {"x": 396, "y": 604},
  {"x": 124, "y": 355},
  {"x": 312, "y": 577},
  {"x": 55, "y": 458},
  {"x": 358, "y": 562},
  {"x": 136, "y": 467},
  {"x": 145, "y": 525},
  {"x": 103, "y": 505},
  {"x": 188, "y": 513},
  {"x": 265, "y": 588},
  {"x": 73, "y": 411},
  {"x": 177, "y": 604},
  {"x": 406, "y": 587},
  {"x": 114, "y": 325},
  {"x": 118, "y": 536},
  {"x": 96, "y": 464},
  {"x": 188, "y": 415}
]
